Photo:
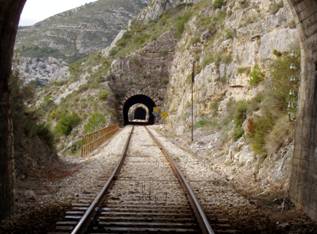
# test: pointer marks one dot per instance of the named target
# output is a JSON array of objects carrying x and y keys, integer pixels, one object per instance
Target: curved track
[{"x": 146, "y": 193}]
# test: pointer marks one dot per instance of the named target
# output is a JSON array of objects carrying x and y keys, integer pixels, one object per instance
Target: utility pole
[{"x": 192, "y": 91}]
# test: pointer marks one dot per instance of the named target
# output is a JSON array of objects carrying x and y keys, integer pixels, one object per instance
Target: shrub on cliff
[
  {"x": 66, "y": 123},
  {"x": 218, "y": 3},
  {"x": 95, "y": 122},
  {"x": 256, "y": 76},
  {"x": 270, "y": 130}
]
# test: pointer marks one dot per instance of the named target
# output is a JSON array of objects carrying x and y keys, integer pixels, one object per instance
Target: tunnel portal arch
[
  {"x": 139, "y": 112},
  {"x": 133, "y": 103}
]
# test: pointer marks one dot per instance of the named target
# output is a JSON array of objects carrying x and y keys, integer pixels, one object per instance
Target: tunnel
[
  {"x": 138, "y": 110},
  {"x": 140, "y": 113}
]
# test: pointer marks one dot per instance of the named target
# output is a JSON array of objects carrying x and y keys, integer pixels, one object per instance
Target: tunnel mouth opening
[
  {"x": 139, "y": 114},
  {"x": 138, "y": 110}
]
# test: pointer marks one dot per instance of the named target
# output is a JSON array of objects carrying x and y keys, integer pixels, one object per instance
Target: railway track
[{"x": 146, "y": 193}]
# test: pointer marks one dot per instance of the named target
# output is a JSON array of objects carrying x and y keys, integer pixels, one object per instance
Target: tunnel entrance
[
  {"x": 138, "y": 110},
  {"x": 140, "y": 114}
]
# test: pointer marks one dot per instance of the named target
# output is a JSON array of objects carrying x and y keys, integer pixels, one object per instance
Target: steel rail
[
  {"x": 194, "y": 203},
  {"x": 91, "y": 212}
]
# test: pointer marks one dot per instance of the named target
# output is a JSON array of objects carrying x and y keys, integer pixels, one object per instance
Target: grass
[
  {"x": 66, "y": 123},
  {"x": 140, "y": 34},
  {"x": 218, "y": 3},
  {"x": 276, "y": 6},
  {"x": 96, "y": 121},
  {"x": 216, "y": 58},
  {"x": 240, "y": 115},
  {"x": 206, "y": 123},
  {"x": 262, "y": 127},
  {"x": 103, "y": 95},
  {"x": 244, "y": 70},
  {"x": 27, "y": 123},
  {"x": 40, "y": 52},
  {"x": 256, "y": 76},
  {"x": 272, "y": 126}
]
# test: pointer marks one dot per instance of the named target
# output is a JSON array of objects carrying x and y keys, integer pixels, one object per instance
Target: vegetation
[
  {"x": 276, "y": 6},
  {"x": 95, "y": 122},
  {"x": 239, "y": 117},
  {"x": 40, "y": 52},
  {"x": 216, "y": 58},
  {"x": 267, "y": 113},
  {"x": 206, "y": 123},
  {"x": 67, "y": 123},
  {"x": 273, "y": 123},
  {"x": 256, "y": 76},
  {"x": 27, "y": 123},
  {"x": 103, "y": 95},
  {"x": 218, "y": 3},
  {"x": 140, "y": 34}
]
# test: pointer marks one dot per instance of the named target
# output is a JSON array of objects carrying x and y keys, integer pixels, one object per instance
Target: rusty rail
[
  {"x": 193, "y": 201},
  {"x": 93, "y": 140},
  {"x": 90, "y": 213}
]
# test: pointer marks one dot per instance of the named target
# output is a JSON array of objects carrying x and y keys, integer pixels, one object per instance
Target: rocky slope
[
  {"x": 245, "y": 54},
  {"x": 47, "y": 47}
]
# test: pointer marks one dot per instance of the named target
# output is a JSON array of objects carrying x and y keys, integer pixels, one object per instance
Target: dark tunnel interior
[{"x": 140, "y": 113}]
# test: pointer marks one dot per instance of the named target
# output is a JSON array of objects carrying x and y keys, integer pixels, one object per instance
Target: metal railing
[{"x": 93, "y": 140}]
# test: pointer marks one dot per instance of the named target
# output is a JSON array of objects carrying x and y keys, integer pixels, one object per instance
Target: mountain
[{"x": 45, "y": 49}]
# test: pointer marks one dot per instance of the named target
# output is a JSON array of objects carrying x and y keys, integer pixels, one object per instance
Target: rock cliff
[{"x": 243, "y": 53}]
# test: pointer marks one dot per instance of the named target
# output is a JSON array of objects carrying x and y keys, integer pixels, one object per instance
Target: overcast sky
[{"x": 37, "y": 10}]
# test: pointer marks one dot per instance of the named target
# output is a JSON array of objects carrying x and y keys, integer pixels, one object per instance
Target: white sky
[{"x": 37, "y": 10}]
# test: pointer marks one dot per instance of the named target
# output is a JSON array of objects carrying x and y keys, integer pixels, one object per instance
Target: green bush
[
  {"x": 205, "y": 123},
  {"x": 218, "y": 3},
  {"x": 67, "y": 123},
  {"x": 271, "y": 128},
  {"x": 181, "y": 22},
  {"x": 280, "y": 134},
  {"x": 41, "y": 52},
  {"x": 229, "y": 33},
  {"x": 240, "y": 116},
  {"x": 103, "y": 95},
  {"x": 76, "y": 146},
  {"x": 276, "y": 6},
  {"x": 244, "y": 70},
  {"x": 262, "y": 127},
  {"x": 95, "y": 122},
  {"x": 256, "y": 76},
  {"x": 45, "y": 134},
  {"x": 280, "y": 73}
]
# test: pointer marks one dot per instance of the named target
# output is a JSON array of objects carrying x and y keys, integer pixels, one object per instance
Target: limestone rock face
[
  {"x": 237, "y": 37},
  {"x": 226, "y": 44},
  {"x": 158, "y": 7},
  {"x": 43, "y": 70}
]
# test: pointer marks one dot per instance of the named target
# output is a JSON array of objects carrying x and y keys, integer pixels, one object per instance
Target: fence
[{"x": 93, "y": 140}]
